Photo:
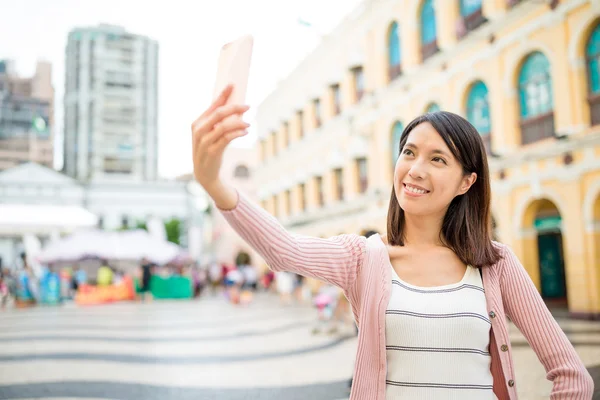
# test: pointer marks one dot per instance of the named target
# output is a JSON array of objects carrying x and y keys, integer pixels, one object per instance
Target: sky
[{"x": 190, "y": 34}]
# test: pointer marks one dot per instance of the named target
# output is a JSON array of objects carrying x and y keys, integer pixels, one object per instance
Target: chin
[{"x": 410, "y": 208}]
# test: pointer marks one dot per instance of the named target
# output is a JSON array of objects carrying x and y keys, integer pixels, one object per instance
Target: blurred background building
[
  {"x": 525, "y": 73},
  {"x": 26, "y": 116},
  {"x": 109, "y": 179},
  {"x": 110, "y": 105}
]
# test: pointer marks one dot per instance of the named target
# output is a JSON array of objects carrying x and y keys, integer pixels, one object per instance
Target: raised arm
[
  {"x": 525, "y": 307},
  {"x": 336, "y": 260}
]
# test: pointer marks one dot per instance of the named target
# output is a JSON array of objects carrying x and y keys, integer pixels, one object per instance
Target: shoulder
[
  {"x": 506, "y": 253},
  {"x": 508, "y": 260}
]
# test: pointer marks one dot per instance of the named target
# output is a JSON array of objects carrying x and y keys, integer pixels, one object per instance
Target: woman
[{"x": 430, "y": 299}]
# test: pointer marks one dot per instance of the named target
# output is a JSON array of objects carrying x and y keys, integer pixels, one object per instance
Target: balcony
[
  {"x": 471, "y": 22},
  {"x": 429, "y": 49},
  {"x": 537, "y": 128},
  {"x": 394, "y": 71},
  {"x": 363, "y": 184},
  {"x": 359, "y": 94},
  {"x": 487, "y": 142},
  {"x": 594, "y": 102}
]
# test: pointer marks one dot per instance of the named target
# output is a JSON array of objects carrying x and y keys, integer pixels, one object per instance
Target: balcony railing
[
  {"x": 429, "y": 49},
  {"x": 394, "y": 71},
  {"x": 474, "y": 20},
  {"x": 594, "y": 101},
  {"x": 537, "y": 128},
  {"x": 363, "y": 184},
  {"x": 487, "y": 142},
  {"x": 512, "y": 3},
  {"x": 359, "y": 94}
]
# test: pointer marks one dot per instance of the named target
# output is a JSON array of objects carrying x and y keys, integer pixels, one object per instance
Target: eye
[
  {"x": 407, "y": 152},
  {"x": 439, "y": 159}
]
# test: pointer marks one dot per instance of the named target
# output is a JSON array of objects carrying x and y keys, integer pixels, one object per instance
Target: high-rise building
[
  {"x": 110, "y": 119},
  {"x": 26, "y": 109}
]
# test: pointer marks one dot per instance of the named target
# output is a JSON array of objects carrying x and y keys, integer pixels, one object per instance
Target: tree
[
  {"x": 139, "y": 224},
  {"x": 173, "y": 229}
]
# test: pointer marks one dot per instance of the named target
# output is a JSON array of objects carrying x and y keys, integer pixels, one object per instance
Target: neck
[{"x": 422, "y": 230}]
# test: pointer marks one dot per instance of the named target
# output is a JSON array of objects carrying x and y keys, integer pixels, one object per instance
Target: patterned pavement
[{"x": 205, "y": 349}]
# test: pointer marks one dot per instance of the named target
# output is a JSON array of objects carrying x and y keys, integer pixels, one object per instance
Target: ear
[{"x": 466, "y": 183}]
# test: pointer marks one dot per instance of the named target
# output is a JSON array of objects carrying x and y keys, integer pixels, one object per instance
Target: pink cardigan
[{"x": 361, "y": 267}]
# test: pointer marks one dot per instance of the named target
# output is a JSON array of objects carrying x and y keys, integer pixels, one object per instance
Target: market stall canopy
[
  {"x": 19, "y": 219},
  {"x": 125, "y": 245}
]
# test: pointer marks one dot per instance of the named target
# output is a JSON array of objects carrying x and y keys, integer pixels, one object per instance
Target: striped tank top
[{"x": 437, "y": 341}]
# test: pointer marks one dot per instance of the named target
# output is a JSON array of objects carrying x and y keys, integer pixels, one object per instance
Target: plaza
[{"x": 207, "y": 349}]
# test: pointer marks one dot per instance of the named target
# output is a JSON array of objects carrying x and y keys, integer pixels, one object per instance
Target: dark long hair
[{"x": 467, "y": 225}]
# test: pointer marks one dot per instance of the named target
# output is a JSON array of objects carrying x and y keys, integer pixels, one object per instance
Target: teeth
[{"x": 415, "y": 190}]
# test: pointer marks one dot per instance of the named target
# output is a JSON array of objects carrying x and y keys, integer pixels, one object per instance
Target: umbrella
[{"x": 126, "y": 245}]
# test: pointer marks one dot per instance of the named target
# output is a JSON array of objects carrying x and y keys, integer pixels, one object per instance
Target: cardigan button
[
  {"x": 504, "y": 347},
  {"x": 511, "y": 383},
  {"x": 492, "y": 314}
]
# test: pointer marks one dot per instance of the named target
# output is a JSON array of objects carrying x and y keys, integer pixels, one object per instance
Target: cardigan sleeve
[
  {"x": 525, "y": 307},
  {"x": 335, "y": 260}
]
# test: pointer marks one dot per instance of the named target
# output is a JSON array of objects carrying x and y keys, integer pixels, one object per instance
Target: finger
[
  {"x": 231, "y": 136},
  {"x": 224, "y": 128},
  {"x": 219, "y": 101},
  {"x": 220, "y": 144},
  {"x": 224, "y": 112},
  {"x": 203, "y": 126}
]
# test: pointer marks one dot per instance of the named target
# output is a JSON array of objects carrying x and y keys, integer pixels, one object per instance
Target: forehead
[{"x": 425, "y": 134}]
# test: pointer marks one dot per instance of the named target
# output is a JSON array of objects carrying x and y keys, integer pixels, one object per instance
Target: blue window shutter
[
  {"x": 428, "y": 28},
  {"x": 535, "y": 86},
  {"x": 468, "y": 7},
  {"x": 433, "y": 107},
  {"x": 478, "y": 108},
  {"x": 394, "y": 53},
  {"x": 592, "y": 53},
  {"x": 396, "y": 135}
]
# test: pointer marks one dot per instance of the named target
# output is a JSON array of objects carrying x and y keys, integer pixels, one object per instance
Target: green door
[{"x": 552, "y": 272}]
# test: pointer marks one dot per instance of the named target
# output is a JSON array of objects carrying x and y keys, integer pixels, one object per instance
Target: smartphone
[{"x": 234, "y": 68}]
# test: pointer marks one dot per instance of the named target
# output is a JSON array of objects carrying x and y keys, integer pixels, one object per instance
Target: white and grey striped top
[{"x": 437, "y": 341}]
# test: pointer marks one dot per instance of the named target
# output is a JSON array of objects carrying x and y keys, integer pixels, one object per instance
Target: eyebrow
[{"x": 436, "y": 151}]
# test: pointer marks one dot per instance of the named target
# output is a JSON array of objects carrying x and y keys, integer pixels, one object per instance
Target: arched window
[
  {"x": 592, "y": 55},
  {"x": 432, "y": 107},
  {"x": 535, "y": 99},
  {"x": 478, "y": 111},
  {"x": 428, "y": 30},
  {"x": 396, "y": 135},
  {"x": 394, "y": 54},
  {"x": 241, "y": 171}
]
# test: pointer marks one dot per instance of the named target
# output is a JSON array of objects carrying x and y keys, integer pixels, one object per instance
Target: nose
[{"x": 417, "y": 171}]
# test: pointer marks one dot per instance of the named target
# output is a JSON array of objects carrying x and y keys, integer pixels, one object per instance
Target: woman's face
[{"x": 427, "y": 176}]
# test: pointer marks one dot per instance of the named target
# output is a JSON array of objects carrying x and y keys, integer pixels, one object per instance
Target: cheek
[
  {"x": 446, "y": 185},
  {"x": 400, "y": 170}
]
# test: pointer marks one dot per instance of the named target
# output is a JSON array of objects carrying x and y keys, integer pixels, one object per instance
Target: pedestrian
[
  {"x": 147, "y": 272},
  {"x": 215, "y": 276},
  {"x": 431, "y": 296},
  {"x": 3, "y": 290}
]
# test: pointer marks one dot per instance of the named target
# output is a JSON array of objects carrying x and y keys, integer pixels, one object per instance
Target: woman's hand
[{"x": 211, "y": 133}]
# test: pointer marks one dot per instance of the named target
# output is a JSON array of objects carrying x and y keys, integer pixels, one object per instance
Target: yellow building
[{"x": 525, "y": 73}]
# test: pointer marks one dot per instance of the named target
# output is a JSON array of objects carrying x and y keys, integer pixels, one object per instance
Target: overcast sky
[{"x": 189, "y": 33}]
